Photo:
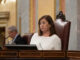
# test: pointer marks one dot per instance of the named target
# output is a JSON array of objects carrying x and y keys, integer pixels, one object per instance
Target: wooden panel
[
  {"x": 30, "y": 54},
  {"x": 47, "y": 7},
  {"x": 8, "y": 54},
  {"x": 54, "y": 54},
  {"x": 73, "y": 54}
]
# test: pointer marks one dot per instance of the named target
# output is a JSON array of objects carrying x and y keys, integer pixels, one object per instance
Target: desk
[
  {"x": 31, "y": 54},
  {"x": 73, "y": 55},
  {"x": 38, "y": 55}
]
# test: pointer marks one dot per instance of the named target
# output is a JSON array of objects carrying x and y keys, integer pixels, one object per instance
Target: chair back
[
  {"x": 27, "y": 37},
  {"x": 62, "y": 29}
]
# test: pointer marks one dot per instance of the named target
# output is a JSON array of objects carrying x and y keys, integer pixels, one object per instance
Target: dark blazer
[{"x": 20, "y": 40}]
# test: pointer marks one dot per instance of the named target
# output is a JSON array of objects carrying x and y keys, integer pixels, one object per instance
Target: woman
[{"x": 46, "y": 39}]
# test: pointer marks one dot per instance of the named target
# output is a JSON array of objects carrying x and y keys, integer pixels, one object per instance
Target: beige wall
[
  {"x": 46, "y": 7},
  {"x": 10, "y": 6}
]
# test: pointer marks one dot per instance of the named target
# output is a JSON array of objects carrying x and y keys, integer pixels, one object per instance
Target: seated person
[
  {"x": 16, "y": 38},
  {"x": 46, "y": 39}
]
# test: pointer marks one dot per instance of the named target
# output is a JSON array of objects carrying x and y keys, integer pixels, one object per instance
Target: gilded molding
[{"x": 4, "y": 15}]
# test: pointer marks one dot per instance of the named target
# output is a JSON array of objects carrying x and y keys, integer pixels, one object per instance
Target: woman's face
[{"x": 44, "y": 25}]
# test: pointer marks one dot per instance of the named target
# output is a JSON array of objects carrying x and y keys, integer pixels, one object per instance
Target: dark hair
[{"x": 50, "y": 21}]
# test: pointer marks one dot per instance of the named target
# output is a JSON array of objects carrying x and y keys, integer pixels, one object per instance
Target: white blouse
[{"x": 46, "y": 43}]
